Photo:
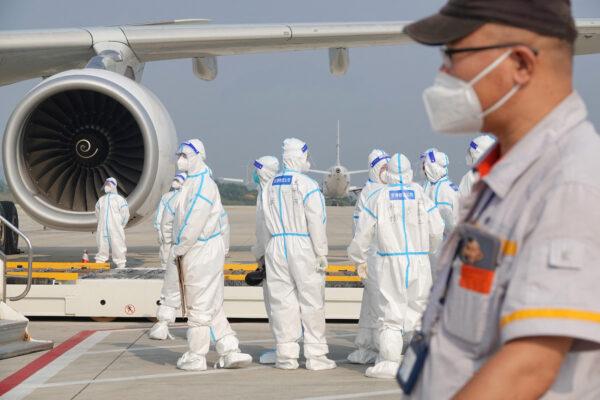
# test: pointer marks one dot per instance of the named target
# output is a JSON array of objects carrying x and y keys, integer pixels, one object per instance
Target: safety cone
[{"x": 85, "y": 258}]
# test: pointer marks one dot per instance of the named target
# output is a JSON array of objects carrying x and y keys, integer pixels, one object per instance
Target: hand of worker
[
  {"x": 361, "y": 270},
  {"x": 322, "y": 264}
]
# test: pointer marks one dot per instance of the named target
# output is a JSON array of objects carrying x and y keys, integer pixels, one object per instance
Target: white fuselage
[{"x": 337, "y": 182}]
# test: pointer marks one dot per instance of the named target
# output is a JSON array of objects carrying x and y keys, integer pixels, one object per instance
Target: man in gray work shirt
[{"x": 515, "y": 309}]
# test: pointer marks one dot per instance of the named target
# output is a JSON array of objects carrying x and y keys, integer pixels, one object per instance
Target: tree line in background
[{"x": 233, "y": 194}]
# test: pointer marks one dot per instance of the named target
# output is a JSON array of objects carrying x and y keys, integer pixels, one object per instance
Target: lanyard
[{"x": 481, "y": 204}]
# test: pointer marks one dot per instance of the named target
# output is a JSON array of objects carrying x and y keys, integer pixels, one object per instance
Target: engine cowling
[{"x": 74, "y": 130}]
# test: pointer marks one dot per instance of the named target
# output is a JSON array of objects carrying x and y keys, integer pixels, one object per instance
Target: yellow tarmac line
[
  {"x": 252, "y": 267},
  {"x": 59, "y": 265},
  {"x": 335, "y": 278},
  {"x": 59, "y": 276}
]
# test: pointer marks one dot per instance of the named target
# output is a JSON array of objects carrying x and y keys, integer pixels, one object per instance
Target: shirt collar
[{"x": 500, "y": 173}]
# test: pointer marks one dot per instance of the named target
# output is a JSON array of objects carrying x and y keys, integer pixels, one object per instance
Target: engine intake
[{"x": 76, "y": 129}]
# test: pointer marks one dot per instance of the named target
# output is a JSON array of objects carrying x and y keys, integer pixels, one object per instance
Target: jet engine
[{"x": 74, "y": 130}]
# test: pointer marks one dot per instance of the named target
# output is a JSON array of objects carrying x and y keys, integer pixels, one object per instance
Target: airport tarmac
[
  {"x": 117, "y": 361},
  {"x": 93, "y": 360},
  {"x": 142, "y": 246}
]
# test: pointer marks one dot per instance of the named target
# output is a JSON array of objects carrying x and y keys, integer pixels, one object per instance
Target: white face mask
[
  {"x": 453, "y": 106},
  {"x": 305, "y": 166},
  {"x": 107, "y": 189},
  {"x": 183, "y": 163}
]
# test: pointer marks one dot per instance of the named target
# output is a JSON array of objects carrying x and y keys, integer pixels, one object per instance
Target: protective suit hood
[
  {"x": 435, "y": 164},
  {"x": 478, "y": 147},
  {"x": 195, "y": 153},
  {"x": 178, "y": 180},
  {"x": 266, "y": 168},
  {"x": 110, "y": 185},
  {"x": 400, "y": 170},
  {"x": 377, "y": 160},
  {"x": 295, "y": 155}
]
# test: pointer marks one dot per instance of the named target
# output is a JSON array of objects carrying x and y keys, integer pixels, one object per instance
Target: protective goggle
[
  {"x": 378, "y": 159},
  {"x": 188, "y": 144},
  {"x": 111, "y": 181},
  {"x": 473, "y": 145}
]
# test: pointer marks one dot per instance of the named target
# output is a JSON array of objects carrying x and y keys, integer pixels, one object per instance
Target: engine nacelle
[{"x": 74, "y": 130}]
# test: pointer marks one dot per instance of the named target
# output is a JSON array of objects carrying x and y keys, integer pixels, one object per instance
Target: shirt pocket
[
  {"x": 469, "y": 310},
  {"x": 567, "y": 254}
]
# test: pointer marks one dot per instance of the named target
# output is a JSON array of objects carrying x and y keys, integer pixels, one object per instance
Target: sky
[{"x": 258, "y": 100}]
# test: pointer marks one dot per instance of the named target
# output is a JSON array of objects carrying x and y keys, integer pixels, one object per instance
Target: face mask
[
  {"x": 383, "y": 176},
  {"x": 107, "y": 189},
  {"x": 183, "y": 163},
  {"x": 469, "y": 159},
  {"x": 306, "y": 166},
  {"x": 256, "y": 178},
  {"x": 452, "y": 104}
]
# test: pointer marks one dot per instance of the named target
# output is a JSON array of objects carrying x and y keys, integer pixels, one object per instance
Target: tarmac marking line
[
  {"x": 179, "y": 374},
  {"x": 32, "y": 376},
  {"x": 355, "y": 395},
  {"x": 178, "y": 346}
]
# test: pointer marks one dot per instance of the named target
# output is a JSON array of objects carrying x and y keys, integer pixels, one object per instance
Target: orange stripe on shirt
[{"x": 551, "y": 313}]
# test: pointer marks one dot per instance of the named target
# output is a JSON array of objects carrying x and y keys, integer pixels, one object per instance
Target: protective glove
[
  {"x": 361, "y": 270},
  {"x": 322, "y": 264}
]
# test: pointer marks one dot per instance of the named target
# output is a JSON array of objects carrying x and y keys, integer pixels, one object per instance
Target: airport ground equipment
[
  {"x": 14, "y": 337},
  {"x": 103, "y": 294}
]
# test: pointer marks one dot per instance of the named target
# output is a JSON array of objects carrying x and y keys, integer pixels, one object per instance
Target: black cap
[{"x": 459, "y": 18}]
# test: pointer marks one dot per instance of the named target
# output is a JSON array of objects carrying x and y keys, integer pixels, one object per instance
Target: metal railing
[{"x": 8, "y": 224}]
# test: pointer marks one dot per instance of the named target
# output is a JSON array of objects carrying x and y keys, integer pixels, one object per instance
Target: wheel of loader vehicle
[
  {"x": 103, "y": 319},
  {"x": 9, "y": 240}
]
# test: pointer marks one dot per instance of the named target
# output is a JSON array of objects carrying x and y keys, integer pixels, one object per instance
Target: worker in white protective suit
[
  {"x": 166, "y": 203},
  {"x": 296, "y": 260},
  {"x": 199, "y": 246},
  {"x": 265, "y": 169},
  {"x": 370, "y": 311},
  {"x": 170, "y": 297},
  {"x": 477, "y": 148},
  {"x": 406, "y": 232},
  {"x": 112, "y": 213},
  {"x": 441, "y": 190},
  {"x": 425, "y": 183}
]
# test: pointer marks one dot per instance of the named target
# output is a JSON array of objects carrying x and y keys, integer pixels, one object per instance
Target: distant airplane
[{"x": 336, "y": 182}]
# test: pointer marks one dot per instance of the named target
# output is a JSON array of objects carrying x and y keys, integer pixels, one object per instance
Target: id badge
[{"x": 412, "y": 363}]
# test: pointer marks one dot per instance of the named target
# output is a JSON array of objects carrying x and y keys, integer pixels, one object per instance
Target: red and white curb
[{"x": 23, "y": 382}]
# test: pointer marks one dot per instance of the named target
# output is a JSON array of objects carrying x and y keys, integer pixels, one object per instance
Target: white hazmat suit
[
  {"x": 265, "y": 169},
  {"x": 170, "y": 296},
  {"x": 296, "y": 260},
  {"x": 112, "y": 213},
  {"x": 199, "y": 244},
  {"x": 441, "y": 190},
  {"x": 369, "y": 307},
  {"x": 166, "y": 203},
  {"x": 477, "y": 148},
  {"x": 405, "y": 232}
]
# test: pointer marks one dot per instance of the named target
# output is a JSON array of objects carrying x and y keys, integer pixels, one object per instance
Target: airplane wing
[
  {"x": 362, "y": 171},
  {"x": 231, "y": 180},
  {"x": 316, "y": 171},
  {"x": 29, "y": 54}
]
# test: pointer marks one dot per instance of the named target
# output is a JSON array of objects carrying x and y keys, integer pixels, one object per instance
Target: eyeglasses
[{"x": 447, "y": 53}]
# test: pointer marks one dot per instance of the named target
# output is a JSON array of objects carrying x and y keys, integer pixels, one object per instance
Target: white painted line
[
  {"x": 38, "y": 379},
  {"x": 179, "y": 374},
  {"x": 180, "y": 346},
  {"x": 367, "y": 395}
]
